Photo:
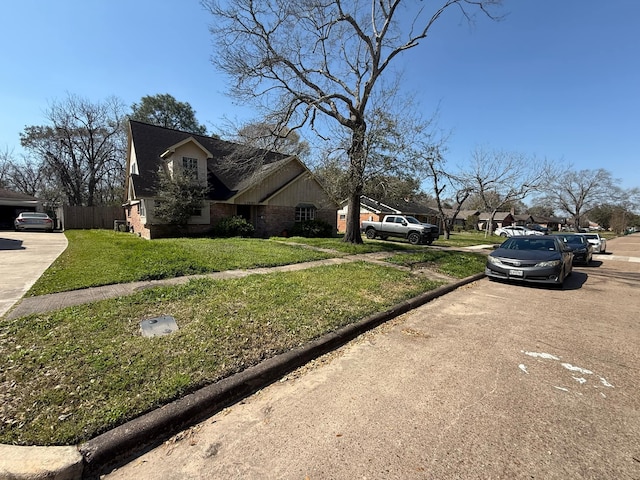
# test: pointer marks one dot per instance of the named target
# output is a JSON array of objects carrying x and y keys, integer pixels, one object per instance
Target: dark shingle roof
[
  {"x": 225, "y": 175},
  {"x": 11, "y": 195}
]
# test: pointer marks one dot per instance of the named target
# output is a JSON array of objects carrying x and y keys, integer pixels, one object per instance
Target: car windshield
[
  {"x": 529, "y": 243},
  {"x": 412, "y": 220},
  {"x": 33, "y": 215},
  {"x": 592, "y": 236},
  {"x": 574, "y": 239}
]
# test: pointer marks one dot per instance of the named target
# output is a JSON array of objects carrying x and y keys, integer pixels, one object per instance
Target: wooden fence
[{"x": 68, "y": 217}]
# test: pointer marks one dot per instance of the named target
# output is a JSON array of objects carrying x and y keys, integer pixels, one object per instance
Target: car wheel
[
  {"x": 414, "y": 238},
  {"x": 371, "y": 233},
  {"x": 503, "y": 234}
]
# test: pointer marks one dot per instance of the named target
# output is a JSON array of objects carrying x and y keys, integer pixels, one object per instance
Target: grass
[
  {"x": 71, "y": 374},
  {"x": 103, "y": 257},
  {"x": 454, "y": 264},
  {"x": 468, "y": 239}
]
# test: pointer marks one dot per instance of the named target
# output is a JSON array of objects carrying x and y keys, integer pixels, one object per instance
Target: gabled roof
[
  {"x": 389, "y": 207},
  {"x": 225, "y": 178},
  {"x": 499, "y": 216},
  {"x": 7, "y": 194},
  {"x": 462, "y": 214}
]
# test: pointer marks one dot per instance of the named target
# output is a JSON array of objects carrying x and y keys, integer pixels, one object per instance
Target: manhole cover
[{"x": 158, "y": 326}]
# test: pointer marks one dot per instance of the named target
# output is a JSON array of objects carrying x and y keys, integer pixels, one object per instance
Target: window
[
  {"x": 190, "y": 167},
  {"x": 142, "y": 211},
  {"x": 305, "y": 212},
  {"x": 343, "y": 216}
]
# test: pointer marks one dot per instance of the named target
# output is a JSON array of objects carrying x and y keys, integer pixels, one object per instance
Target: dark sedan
[
  {"x": 582, "y": 249},
  {"x": 538, "y": 259}
]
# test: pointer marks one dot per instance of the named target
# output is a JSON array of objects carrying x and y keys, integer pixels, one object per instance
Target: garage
[{"x": 12, "y": 203}]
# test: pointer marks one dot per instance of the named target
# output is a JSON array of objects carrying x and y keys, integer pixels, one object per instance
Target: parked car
[
  {"x": 539, "y": 228},
  {"x": 403, "y": 226},
  {"x": 537, "y": 259},
  {"x": 515, "y": 230},
  {"x": 599, "y": 243},
  {"x": 33, "y": 221},
  {"x": 582, "y": 249}
]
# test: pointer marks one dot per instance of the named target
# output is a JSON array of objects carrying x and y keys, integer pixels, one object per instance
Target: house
[
  {"x": 500, "y": 219},
  {"x": 12, "y": 204},
  {"x": 461, "y": 217},
  {"x": 270, "y": 190},
  {"x": 375, "y": 210}
]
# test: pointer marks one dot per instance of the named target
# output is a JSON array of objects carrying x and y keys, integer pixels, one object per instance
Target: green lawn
[
  {"x": 103, "y": 257},
  {"x": 74, "y": 373},
  {"x": 68, "y": 375}
]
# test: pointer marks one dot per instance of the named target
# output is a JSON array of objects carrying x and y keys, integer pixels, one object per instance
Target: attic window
[
  {"x": 190, "y": 167},
  {"x": 305, "y": 212}
]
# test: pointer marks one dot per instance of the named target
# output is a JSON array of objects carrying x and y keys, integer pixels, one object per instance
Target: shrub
[
  {"x": 312, "y": 229},
  {"x": 233, "y": 227}
]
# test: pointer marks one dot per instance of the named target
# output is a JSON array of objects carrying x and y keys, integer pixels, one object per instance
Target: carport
[{"x": 12, "y": 203}]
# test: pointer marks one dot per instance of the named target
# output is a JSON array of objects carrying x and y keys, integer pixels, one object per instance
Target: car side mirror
[{"x": 404, "y": 224}]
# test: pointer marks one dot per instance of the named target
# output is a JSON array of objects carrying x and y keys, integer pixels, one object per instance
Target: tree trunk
[{"x": 356, "y": 183}]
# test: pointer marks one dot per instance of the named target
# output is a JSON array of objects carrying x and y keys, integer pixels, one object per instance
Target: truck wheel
[
  {"x": 429, "y": 240},
  {"x": 371, "y": 233},
  {"x": 414, "y": 238}
]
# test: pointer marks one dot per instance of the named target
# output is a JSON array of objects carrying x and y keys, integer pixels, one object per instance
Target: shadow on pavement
[{"x": 8, "y": 244}]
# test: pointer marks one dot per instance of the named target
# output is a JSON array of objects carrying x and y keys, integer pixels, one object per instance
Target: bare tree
[
  {"x": 577, "y": 192},
  {"x": 500, "y": 178},
  {"x": 272, "y": 137},
  {"x": 82, "y": 147},
  {"x": 321, "y": 59},
  {"x": 6, "y": 161}
]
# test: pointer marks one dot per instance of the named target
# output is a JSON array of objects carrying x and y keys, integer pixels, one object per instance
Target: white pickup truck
[{"x": 402, "y": 226}]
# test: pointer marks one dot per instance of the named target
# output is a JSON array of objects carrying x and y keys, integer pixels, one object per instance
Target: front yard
[{"x": 68, "y": 375}]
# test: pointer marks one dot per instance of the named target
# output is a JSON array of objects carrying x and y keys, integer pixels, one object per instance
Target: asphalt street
[{"x": 494, "y": 380}]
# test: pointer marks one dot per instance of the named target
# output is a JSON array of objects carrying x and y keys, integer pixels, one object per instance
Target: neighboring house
[
  {"x": 500, "y": 219},
  {"x": 271, "y": 191},
  {"x": 12, "y": 204},
  {"x": 461, "y": 218},
  {"x": 375, "y": 210}
]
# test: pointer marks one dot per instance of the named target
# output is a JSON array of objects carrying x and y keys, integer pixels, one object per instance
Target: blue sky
[{"x": 558, "y": 79}]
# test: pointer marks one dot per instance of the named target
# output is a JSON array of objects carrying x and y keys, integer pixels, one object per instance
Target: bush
[
  {"x": 312, "y": 229},
  {"x": 233, "y": 227}
]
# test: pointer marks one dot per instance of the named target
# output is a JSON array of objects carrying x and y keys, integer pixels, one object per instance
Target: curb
[{"x": 118, "y": 446}]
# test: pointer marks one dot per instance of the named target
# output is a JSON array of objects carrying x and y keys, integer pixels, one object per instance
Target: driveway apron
[{"x": 24, "y": 256}]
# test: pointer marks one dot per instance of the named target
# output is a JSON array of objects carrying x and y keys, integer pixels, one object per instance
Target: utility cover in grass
[{"x": 158, "y": 326}]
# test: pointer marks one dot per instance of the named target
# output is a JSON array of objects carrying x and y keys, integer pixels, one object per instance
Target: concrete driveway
[
  {"x": 493, "y": 380},
  {"x": 24, "y": 256}
]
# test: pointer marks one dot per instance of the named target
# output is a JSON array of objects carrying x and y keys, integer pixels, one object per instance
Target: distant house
[
  {"x": 461, "y": 218},
  {"x": 12, "y": 204},
  {"x": 270, "y": 190},
  {"x": 500, "y": 219},
  {"x": 375, "y": 210}
]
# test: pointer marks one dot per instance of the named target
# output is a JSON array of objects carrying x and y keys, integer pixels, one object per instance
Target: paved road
[
  {"x": 24, "y": 256},
  {"x": 491, "y": 381}
]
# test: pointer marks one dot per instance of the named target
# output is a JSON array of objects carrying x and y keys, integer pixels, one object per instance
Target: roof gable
[{"x": 225, "y": 175}]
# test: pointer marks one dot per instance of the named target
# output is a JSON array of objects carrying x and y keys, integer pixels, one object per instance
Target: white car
[
  {"x": 515, "y": 231},
  {"x": 599, "y": 243}
]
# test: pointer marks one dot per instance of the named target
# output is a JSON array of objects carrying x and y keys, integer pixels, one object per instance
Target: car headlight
[
  {"x": 494, "y": 260},
  {"x": 552, "y": 263}
]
